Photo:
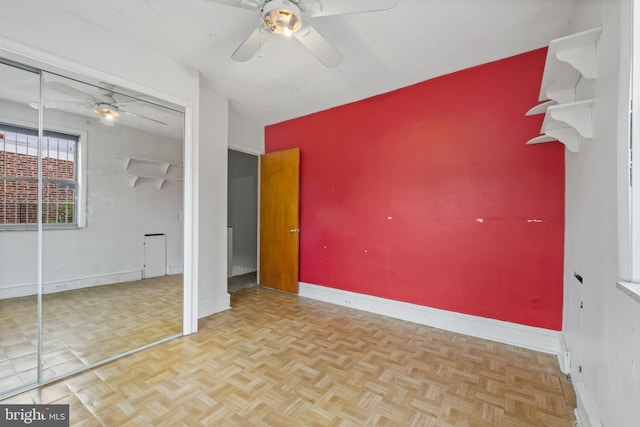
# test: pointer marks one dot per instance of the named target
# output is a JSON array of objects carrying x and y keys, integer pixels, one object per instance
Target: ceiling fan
[
  {"x": 103, "y": 104},
  {"x": 291, "y": 17}
]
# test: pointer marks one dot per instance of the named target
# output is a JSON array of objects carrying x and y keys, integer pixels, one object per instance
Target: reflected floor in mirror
[
  {"x": 85, "y": 326},
  {"x": 281, "y": 360}
]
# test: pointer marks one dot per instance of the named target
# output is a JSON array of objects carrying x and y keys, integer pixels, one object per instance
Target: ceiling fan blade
[
  {"x": 319, "y": 46},
  {"x": 71, "y": 91},
  {"x": 245, "y": 4},
  {"x": 121, "y": 103},
  {"x": 70, "y": 106},
  {"x": 342, "y": 7},
  {"x": 60, "y": 105},
  {"x": 250, "y": 45},
  {"x": 142, "y": 117},
  {"x": 126, "y": 100}
]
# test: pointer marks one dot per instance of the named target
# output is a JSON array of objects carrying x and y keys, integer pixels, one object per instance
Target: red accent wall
[{"x": 429, "y": 195}]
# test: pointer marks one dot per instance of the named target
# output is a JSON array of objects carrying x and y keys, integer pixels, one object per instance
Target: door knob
[{"x": 294, "y": 230}]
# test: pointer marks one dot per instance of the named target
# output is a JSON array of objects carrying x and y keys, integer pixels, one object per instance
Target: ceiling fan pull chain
[{"x": 261, "y": 52}]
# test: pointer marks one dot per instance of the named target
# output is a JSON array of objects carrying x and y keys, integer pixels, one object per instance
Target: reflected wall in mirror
[
  {"x": 112, "y": 231},
  {"x": 18, "y": 205},
  {"x": 127, "y": 155}
]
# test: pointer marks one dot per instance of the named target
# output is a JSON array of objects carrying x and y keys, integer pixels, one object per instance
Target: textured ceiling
[{"x": 415, "y": 41}]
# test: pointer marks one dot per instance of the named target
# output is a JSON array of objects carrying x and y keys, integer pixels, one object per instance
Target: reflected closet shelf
[
  {"x": 129, "y": 161},
  {"x": 157, "y": 180}
]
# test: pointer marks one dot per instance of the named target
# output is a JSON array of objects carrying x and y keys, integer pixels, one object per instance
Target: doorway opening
[{"x": 242, "y": 221}]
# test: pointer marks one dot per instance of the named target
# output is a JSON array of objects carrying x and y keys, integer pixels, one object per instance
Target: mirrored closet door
[
  {"x": 101, "y": 245},
  {"x": 19, "y": 325}
]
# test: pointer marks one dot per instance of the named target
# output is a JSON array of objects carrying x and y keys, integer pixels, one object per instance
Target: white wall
[
  {"x": 110, "y": 248},
  {"x": 212, "y": 289},
  {"x": 245, "y": 134},
  {"x": 41, "y": 34},
  {"x": 601, "y": 335}
]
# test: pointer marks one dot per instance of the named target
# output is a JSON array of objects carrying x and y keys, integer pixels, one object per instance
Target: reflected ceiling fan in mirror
[
  {"x": 291, "y": 17},
  {"x": 103, "y": 103}
]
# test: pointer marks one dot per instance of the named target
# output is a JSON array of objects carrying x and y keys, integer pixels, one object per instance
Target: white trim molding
[
  {"x": 564, "y": 355},
  {"x": 585, "y": 413},
  {"x": 175, "y": 269},
  {"x": 540, "y": 339},
  {"x": 27, "y": 289},
  {"x": 631, "y": 289},
  {"x": 214, "y": 305},
  {"x": 244, "y": 148}
]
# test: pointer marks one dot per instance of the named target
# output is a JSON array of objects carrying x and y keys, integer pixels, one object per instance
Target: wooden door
[{"x": 279, "y": 220}]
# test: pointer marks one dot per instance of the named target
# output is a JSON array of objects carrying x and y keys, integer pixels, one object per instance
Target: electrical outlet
[{"x": 348, "y": 301}]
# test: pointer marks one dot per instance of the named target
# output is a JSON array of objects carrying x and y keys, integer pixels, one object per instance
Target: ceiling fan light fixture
[
  {"x": 281, "y": 17},
  {"x": 106, "y": 111}
]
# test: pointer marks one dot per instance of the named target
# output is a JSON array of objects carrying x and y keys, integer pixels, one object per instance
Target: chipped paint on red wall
[{"x": 429, "y": 195}]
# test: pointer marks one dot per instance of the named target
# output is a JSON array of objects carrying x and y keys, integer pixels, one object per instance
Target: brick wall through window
[{"x": 19, "y": 178}]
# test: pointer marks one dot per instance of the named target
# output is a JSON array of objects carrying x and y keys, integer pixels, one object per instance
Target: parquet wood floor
[
  {"x": 281, "y": 360},
  {"x": 85, "y": 326}
]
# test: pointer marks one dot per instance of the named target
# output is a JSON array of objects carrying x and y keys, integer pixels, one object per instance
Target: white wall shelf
[
  {"x": 541, "y": 108},
  {"x": 569, "y": 58},
  {"x": 567, "y": 119},
  {"x": 575, "y": 114},
  {"x": 135, "y": 179},
  {"x": 566, "y": 135},
  {"x": 129, "y": 160},
  {"x": 159, "y": 179}
]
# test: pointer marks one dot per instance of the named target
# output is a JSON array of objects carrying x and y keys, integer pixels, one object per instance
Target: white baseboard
[
  {"x": 214, "y": 305},
  {"x": 564, "y": 356},
  {"x": 175, "y": 269},
  {"x": 585, "y": 413},
  {"x": 237, "y": 270},
  {"x": 539, "y": 339},
  {"x": 71, "y": 284}
]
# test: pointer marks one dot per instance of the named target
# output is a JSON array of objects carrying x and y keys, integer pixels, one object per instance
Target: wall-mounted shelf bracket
[
  {"x": 155, "y": 171},
  {"x": 135, "y": 179},
  {"x": 569, "y": 58},
  {"x": 568, "y": 136},
  {"x": 582, "y": 58},
  {"x": 164, "y": 166},
  {"x": 566, "y": 119},
  {"x": 562, "y": 96},
  {"x": 575, "y": 114}
]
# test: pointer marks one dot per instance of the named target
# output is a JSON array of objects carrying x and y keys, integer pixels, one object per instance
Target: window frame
[{"x": 81, "y": 177}]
